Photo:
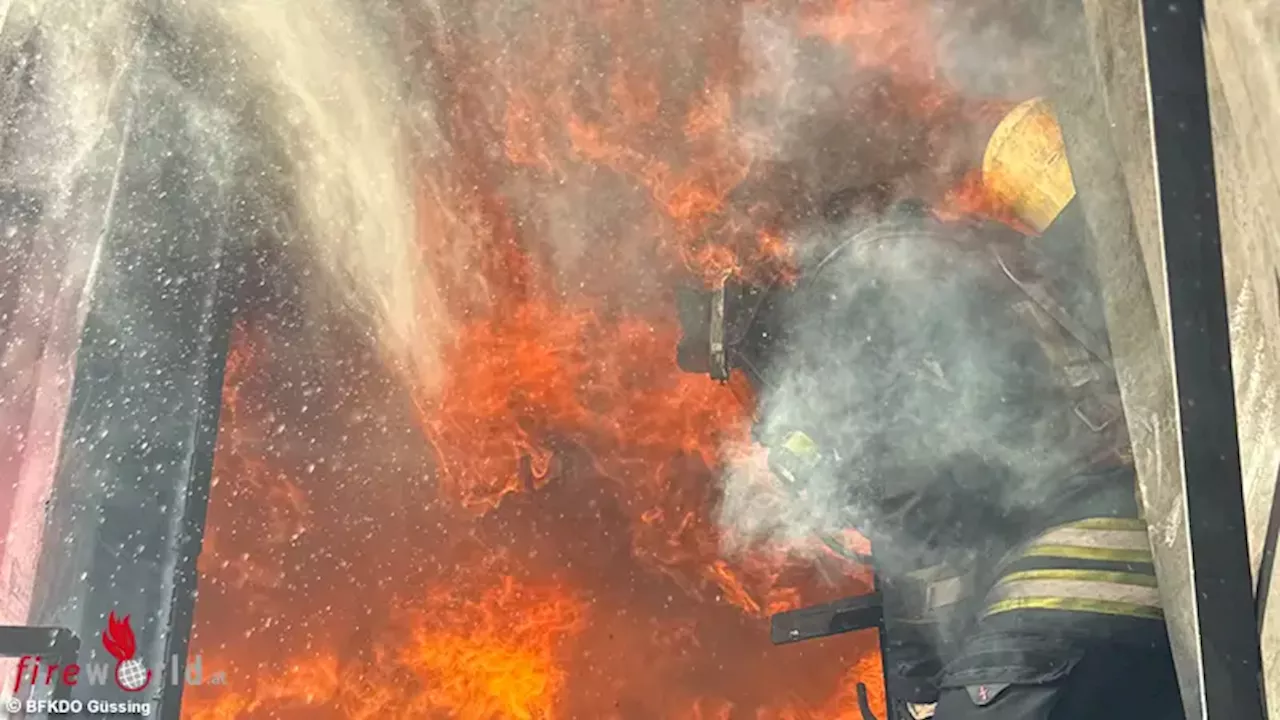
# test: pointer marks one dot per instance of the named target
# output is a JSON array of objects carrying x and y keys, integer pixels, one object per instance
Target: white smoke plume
[{"x": 904, "y": 358}]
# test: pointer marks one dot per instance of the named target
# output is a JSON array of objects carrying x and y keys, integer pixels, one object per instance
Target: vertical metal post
[
  {"x": 1228, "y": 641},
  {"x": 127, "y": 512}
]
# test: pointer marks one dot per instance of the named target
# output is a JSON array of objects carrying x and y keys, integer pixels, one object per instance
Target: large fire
[{"x": 538, "y": 540}]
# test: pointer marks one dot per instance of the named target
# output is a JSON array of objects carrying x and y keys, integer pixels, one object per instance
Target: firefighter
[{"x": 952, "y": 385}]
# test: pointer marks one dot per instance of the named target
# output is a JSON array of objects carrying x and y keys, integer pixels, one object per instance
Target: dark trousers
[{"x": 1112, "y": 684}]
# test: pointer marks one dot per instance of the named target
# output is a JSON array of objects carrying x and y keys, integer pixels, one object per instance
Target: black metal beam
[
  {"x": 1228, "y": 641},
  {"x": 55, "y": 647},
  {"x": 127, "y": 511},
  {"x": 862, "y": 612}
]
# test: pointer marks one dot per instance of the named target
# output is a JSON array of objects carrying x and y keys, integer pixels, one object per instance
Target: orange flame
[
  {"x": 494, "y": 656},
  {"x": 586, "y": 576}
]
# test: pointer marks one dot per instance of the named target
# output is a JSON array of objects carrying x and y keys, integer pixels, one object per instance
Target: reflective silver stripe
[
  {"x": 1134, "y": 589},
  {"x": 1117, "y": 540},
  {"x": 1103, "y": 539}
]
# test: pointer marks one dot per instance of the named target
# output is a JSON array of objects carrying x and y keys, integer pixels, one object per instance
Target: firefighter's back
[{"x": 1019, "y": 576}]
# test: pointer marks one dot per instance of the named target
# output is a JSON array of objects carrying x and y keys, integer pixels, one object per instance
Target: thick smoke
[
  {"x": 830, "y": 112},
  {"x": 905, "y": 357},
  {"x": 310, "y": 100},
  {"x": 906, "y": 361},
  {"x": 996, "y": 48},
  {"x": 822, "y": 119}
]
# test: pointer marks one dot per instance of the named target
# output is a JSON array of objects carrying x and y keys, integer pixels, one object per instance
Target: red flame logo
[{"x": 118, "y": 640}]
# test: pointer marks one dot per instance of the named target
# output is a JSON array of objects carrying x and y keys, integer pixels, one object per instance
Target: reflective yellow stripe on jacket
[{"x": 1127, "y": 589}]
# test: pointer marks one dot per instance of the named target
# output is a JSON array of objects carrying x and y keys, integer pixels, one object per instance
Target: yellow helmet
[{"x": 1025, "y": 165}]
